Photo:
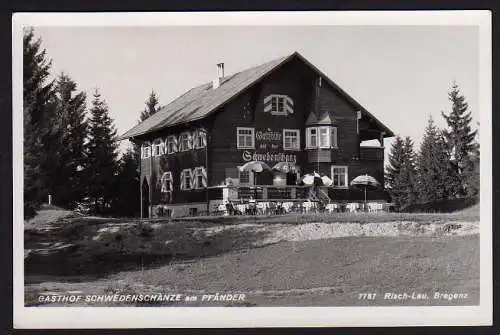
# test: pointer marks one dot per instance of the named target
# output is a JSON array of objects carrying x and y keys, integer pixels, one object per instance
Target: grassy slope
[
  {"x": 320, "y": 272},
  {"x": 330, "y": 272}
]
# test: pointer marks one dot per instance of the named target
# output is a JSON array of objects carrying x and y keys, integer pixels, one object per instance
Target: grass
[
  {"x": 179, "y": 254},
  {"x": 328, "y": 272}
]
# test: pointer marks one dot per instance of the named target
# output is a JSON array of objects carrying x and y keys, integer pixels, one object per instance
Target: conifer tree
[
  {"x": 395, "y": 159},
  {"x": 151, "y": 106},
  {"x": 400, "y": 173},
  {"x": 434, "y": 175},
  {"x": 68, "y": 182},
  {"x": 101, "y": 152},
  {"x": 39, "y": 122},
  {"x": 407, "y": 176},
  {"x": 127, "y": 202},
  {"x": 460, "y": 143}
]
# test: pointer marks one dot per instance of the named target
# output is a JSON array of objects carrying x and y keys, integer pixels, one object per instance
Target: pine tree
[
  {"x": 68, "y": 180},
  {"x": 407, "y": 176},
  {"x": 151, "y": 106},
  {"x": 434, "y": 175},
  {"x": 400, "y": 174},
  {"x": 127, "y": 202},
  {"x": 460, "y": 142},
  {"x": 39, "y": 121},
  {"x": 101, "y": 152}
]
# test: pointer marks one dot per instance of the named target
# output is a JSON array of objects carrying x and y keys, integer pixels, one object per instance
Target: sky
[{"x": 401, "y": 74}]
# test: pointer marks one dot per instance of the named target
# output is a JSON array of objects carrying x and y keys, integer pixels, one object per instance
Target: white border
[{"x": 125, "y": 317}]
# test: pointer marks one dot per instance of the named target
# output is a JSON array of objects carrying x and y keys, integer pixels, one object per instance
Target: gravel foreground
[{"x": 309, "y": 264}]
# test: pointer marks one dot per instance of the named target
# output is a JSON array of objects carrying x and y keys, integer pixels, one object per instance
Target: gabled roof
[{"x": 201, "y": 101}]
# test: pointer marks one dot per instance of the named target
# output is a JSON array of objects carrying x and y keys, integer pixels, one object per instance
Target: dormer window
[{"x": 278, "y": 104}]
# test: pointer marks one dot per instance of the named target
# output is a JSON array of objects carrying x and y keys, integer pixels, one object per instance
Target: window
[
  {"x": 186, "y": 179},
  {"x": 200, "y": 177},
  {"x": 321, "y": 137},
  {"x": 312, "y": 138},
  {"x": 171, "y": 144},
  {"x": 245, "y": 138},
  {"x": 200, "y": 139},
  {"x": 185, "y": 142},
  {"x": 167, "y": 182},
  {"x": 278, "y": 104},
  {"x": 145, "y": 151},
  {"x": 324, "y": 139},
  {"x": 291, "y": 139},
  {"x": 158, "y": 148},
  {"x": 339, "y": 176}
]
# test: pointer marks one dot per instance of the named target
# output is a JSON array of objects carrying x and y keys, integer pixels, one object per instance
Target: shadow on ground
[{"x": 94, "y": 247}]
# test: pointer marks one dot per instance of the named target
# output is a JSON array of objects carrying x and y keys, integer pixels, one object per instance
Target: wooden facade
[{"x": 309, "y": 100}]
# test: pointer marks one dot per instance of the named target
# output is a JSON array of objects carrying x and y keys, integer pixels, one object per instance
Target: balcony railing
[{"x": 371, "y": 153}]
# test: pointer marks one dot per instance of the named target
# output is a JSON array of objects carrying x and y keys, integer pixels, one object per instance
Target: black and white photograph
[{"x": 266, "y": 164}]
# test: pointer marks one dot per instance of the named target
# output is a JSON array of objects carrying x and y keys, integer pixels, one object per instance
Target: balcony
[
  {"x": 371, "y": 153},
  {"x": 319, "y": 156}
]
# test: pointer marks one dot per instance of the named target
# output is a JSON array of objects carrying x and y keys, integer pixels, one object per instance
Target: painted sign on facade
[{"x": 268, "y": 156}]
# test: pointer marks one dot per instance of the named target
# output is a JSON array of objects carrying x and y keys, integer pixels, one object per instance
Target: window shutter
[
  {"x": 204, "y": 175},
  {"x": 176, "y": 143},
  {"x": 203, "y": 138},
  {"x": 268, "y": 103},
  {"x": 308, "y": 137},
  {"x": 193, "y": 180},
  {"x": 163, "y": 183},
  {"x": 334, "y": 137},
  {"x": 182, "y": 180},
  {"x": 190, "y": 140},
  {"x": 288, "y": 105}
]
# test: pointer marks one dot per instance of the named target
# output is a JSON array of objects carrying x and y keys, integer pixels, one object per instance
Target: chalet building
[{"x": 285, "y": 110}]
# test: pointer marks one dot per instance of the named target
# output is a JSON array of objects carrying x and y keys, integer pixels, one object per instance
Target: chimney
[{"x": 220, "y": 75}]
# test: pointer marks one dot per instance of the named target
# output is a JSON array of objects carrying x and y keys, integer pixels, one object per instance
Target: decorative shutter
[
  {"x": 204, "y": 175},
  {"x": 176, "y": 143},
  {"x": 190, "y": 140},
  {"x": 334, "y": 137},
  {"x": 196, "y": 136},
  {"x": 308, "y": 137},
  {"x": 203, "y": 138},
  {"x": 171, "y": 182},
  {"x": 182, "y": 180},
  {"x": 163, "y": 181},
  {"x": 268, "y": 103},
  {"x": 193, "y": 179},
  {"x": 288, "y": 105}
]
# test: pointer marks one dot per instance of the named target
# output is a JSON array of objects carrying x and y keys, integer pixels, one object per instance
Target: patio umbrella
[
  {"x": 326, "y": 180},
  {"x": 311, "y": 179},
  {"x": 365, "y": 181},
  {"x": 255, "y": 166},
  {"x": 286, "y": 167}
]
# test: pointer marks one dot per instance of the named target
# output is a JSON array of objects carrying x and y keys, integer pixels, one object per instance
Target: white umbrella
[
  {"x": 255, "y": 166},
  {"x": 365, "y": 181},
  {"x": 312, "y": 179},
  {"x": 326, "y": 180},
  {"x": 285, "y": 167}
]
